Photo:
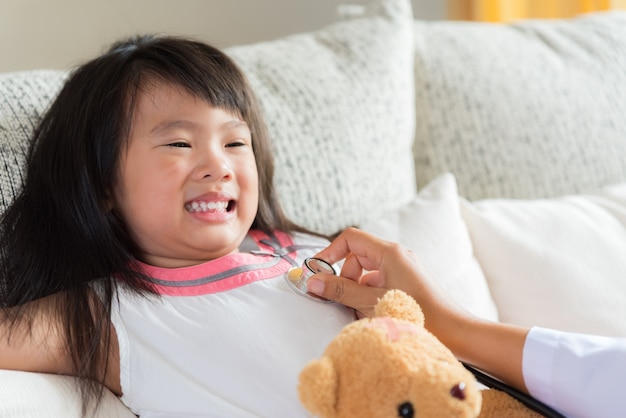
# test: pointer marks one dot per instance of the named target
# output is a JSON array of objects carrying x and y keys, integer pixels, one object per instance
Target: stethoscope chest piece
[{"x": 297, "y": 277}]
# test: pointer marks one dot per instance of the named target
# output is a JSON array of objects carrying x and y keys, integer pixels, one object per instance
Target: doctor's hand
[{"x": 371, "y": 267}]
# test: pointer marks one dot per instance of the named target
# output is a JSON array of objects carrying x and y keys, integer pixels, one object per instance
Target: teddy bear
[{"x": 391, "y": 366}]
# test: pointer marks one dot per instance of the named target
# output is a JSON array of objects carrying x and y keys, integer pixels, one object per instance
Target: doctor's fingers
[
  {"x": 346, "y": 291},
  {"x": 353, "y": 242}
]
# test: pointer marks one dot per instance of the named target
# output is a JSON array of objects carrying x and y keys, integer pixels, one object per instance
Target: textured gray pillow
[
  {"x": 524, "y": 110},
  {"x": 339, "y": 106},
  {"x": 24, "y": 96}
]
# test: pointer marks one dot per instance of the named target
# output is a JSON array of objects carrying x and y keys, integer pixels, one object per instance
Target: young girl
[{"x": 147, "y": 250}]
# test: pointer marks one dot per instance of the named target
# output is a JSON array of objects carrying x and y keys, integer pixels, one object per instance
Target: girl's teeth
[{"x": 206, "y": 206}]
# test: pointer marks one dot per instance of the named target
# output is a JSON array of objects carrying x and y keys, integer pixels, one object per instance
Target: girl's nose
[{"x": 215, "y": 167}]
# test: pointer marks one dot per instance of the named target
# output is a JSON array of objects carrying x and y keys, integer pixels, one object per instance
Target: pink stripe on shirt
[{"x": 224, "y": 273}]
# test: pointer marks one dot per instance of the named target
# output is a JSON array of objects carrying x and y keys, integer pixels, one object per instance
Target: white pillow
[
  {"x": 339, "y": 104},
  {"x": 431, "y": 226},
  {"x": 32, "y": 395},
  {"x": 558, "y": 263}
]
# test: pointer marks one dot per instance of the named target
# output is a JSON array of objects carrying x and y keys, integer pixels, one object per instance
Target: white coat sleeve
[{"x": 579, "y": 375}]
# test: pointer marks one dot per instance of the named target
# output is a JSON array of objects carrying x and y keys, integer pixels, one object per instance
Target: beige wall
[{"x": 63, "y": 33}]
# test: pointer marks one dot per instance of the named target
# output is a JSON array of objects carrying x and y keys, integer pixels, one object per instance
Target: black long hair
[{"x": 59, "y": 236}]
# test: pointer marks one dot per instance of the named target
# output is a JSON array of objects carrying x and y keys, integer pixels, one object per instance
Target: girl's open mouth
[{"x": 201, "y": 206}]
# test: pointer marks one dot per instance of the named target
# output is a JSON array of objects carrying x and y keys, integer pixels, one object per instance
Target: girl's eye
[
  {"x": 178, "y": 145},
  {"x": 235, "y": 144}
]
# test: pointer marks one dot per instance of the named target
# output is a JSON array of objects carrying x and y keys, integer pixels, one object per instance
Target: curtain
[{"x": 507, "y": 10}]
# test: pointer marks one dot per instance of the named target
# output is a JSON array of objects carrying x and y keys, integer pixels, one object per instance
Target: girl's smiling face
[{"x": 188, "y": 183}]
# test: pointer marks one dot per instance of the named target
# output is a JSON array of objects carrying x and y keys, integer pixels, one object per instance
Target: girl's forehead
[
  {"x": 153, "y": 101},
  {"x": 155, "y": 95},
  {"x": 169, "y": 104}
]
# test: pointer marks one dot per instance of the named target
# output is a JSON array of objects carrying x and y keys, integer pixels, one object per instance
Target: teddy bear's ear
[
  {"x": 318, "y": 387},
  {"x": 397, "y": 304}
]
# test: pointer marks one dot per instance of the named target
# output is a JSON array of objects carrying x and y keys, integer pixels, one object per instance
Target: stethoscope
[{"x": 297, "y": 277}]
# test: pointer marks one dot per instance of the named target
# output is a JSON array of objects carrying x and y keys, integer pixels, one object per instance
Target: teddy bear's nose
[
  {"x": 406, "y": 410},
  {"x": 458, "y": 391}
]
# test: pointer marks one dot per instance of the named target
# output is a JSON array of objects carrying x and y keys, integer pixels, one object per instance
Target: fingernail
[{"x": 315, "y": 286}]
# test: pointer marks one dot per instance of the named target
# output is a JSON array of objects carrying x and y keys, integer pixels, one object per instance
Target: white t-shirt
[
  {"x": 227, "y": 338},
  {"x": 579, "y": 375}
]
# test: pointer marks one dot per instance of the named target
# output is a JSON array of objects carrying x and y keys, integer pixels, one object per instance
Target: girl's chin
[
  {"x": 187, "y": 258},
  {"x": 218, "y": 248}
]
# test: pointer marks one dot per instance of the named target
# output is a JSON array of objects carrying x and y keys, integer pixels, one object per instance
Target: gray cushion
[
  {"x": 339, "y": 105},
  {"x": 24, "y": 96},
  {"x": 523, "y": 110}
]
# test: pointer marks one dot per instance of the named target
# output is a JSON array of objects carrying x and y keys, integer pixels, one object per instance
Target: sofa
[{"x": 495, "y": 152}]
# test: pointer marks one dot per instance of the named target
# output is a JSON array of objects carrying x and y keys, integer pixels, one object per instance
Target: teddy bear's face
[{"x": 383, "y": 367}]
